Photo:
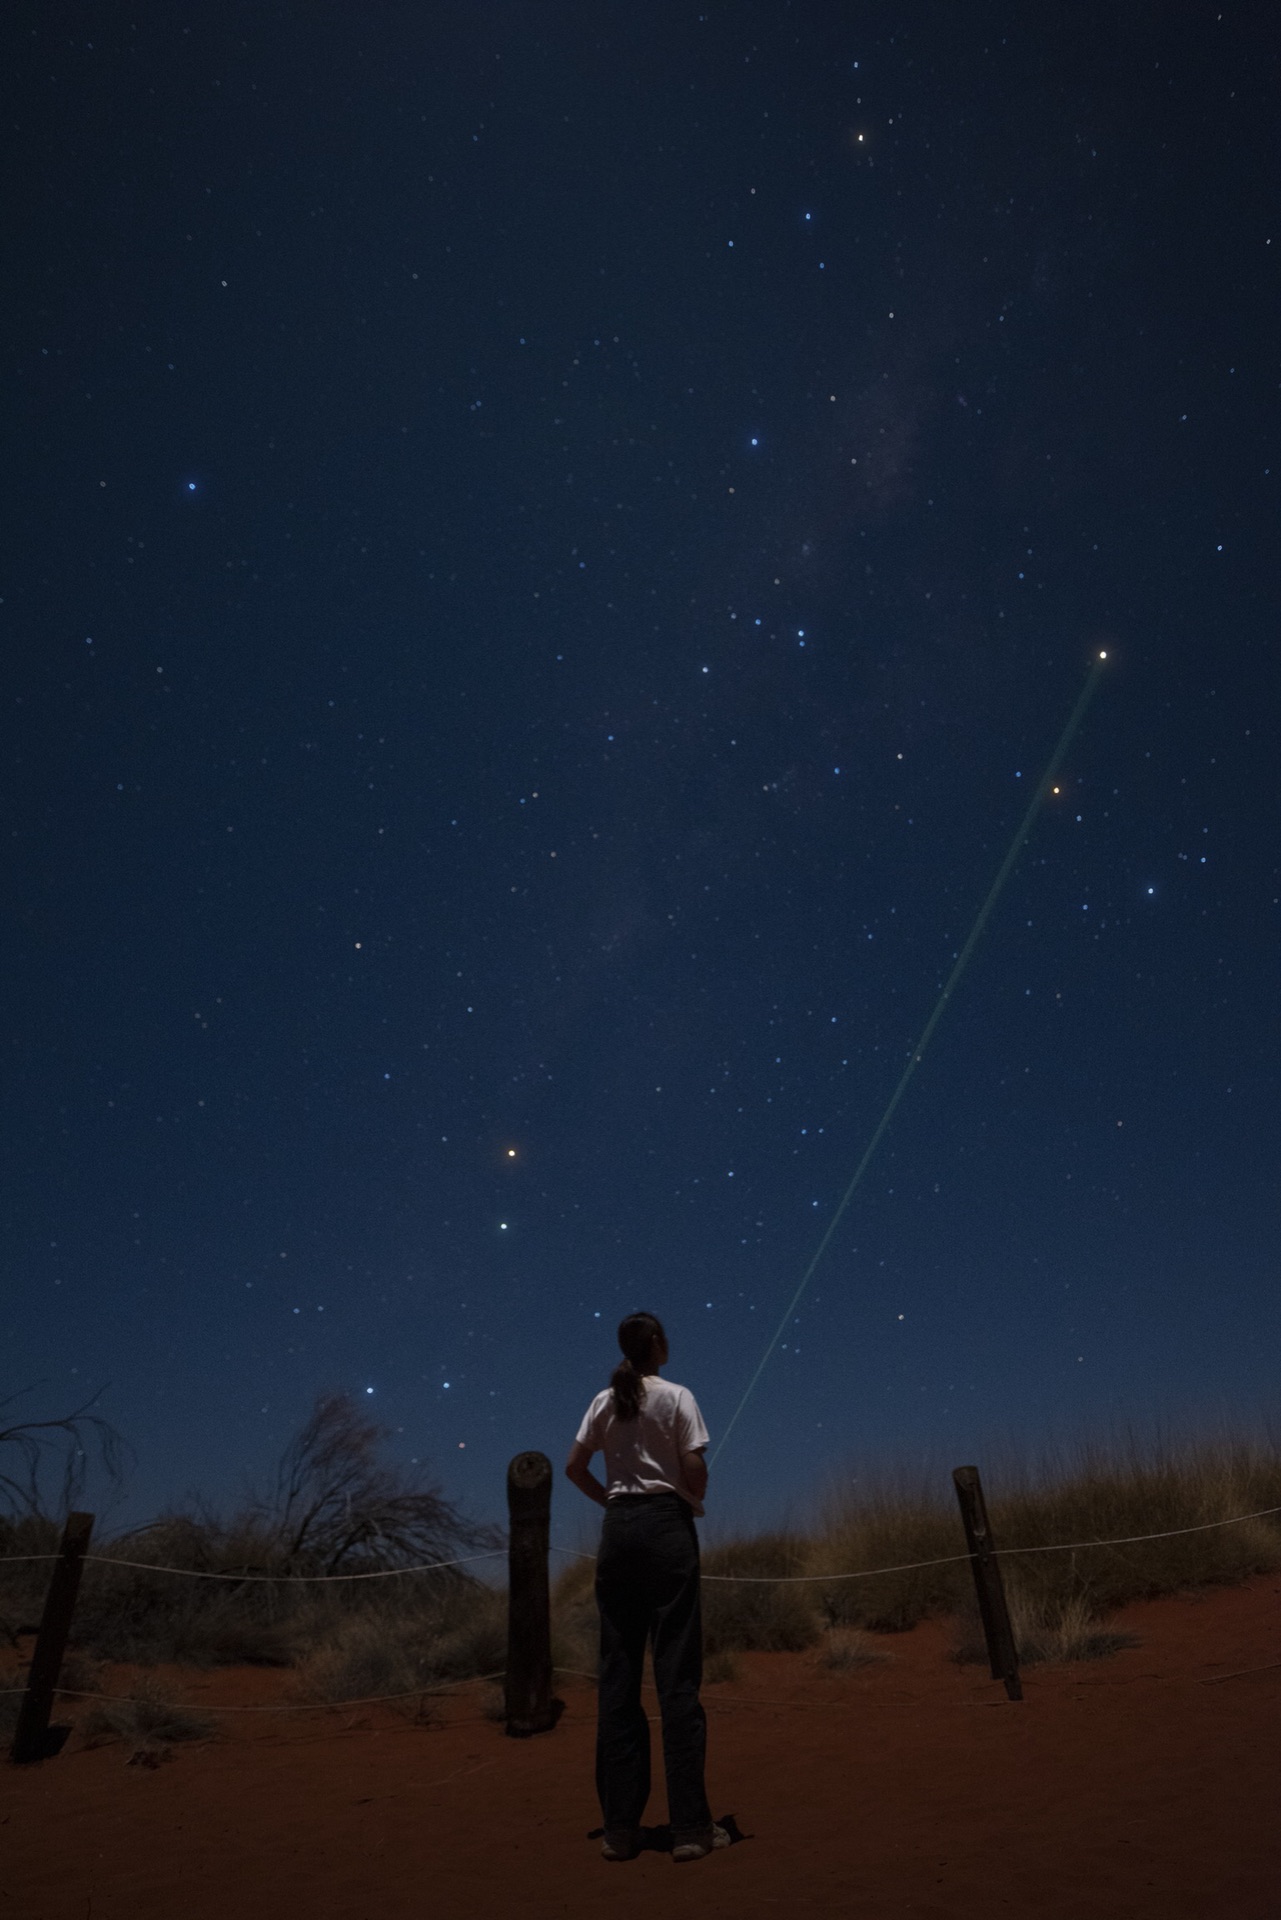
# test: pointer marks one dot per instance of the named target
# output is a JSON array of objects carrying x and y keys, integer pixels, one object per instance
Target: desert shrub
[
  {"x": 1047, "y": 1631},
  {"x": 887, "y": 1528},
  {"x": 125, "y": 1612},
  {"x": 470, "y": 1639},
  {"x": 57, "y": 1448},
  {"x": 746, "y": 1615},
  {"x": 1097, "y": 1496},
  {"x": 401, "y": 1648},
  {"x": 365, "y": 1659},
  {"x": 1109, "y": 1496},
  {"x": 335, "y": 1509},
  {"x": 846, "y": 1649},
  {"x": 147, "y": 1720}
]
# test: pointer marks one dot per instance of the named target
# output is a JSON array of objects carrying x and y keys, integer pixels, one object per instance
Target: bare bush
[
  {"x": 335, "y": 1508},
  {"x": 67, "y": 1443}
]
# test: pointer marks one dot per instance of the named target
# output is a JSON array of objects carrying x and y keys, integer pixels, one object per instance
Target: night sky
[{"x": 547, "y": 546}]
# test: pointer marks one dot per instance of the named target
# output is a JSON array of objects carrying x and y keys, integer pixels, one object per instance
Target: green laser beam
[{"x": 914, "y": 1059}]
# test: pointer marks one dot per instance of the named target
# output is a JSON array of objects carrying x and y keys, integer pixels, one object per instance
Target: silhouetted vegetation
[
  {"x": 147, "y": 1720},
  {"x": 1059, "y": 1602},
  {"x": 335, "y": 1507},
  {"x": 30, "y": 1449}
]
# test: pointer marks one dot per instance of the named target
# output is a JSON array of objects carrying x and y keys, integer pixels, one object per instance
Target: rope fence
[
  {"x": 576, "y": 1553},
  {"x": 529, "y": 1705},
  {"x": 276, "y": 1579},
  {"x": 950, "y": 1559}
]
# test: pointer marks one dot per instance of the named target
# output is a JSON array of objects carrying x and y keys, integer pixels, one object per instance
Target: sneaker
[
  {"x": 696, "y": 1849},
  {"x": 620, "y": 1846}
]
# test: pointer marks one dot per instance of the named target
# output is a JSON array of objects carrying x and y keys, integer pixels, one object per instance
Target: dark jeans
[{"x": 647, "y": 1588}]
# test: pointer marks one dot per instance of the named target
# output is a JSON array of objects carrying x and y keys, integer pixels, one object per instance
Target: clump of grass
[
  {"x": 126, "y": 1613},
  {"x": 1047, "y": 1632},
  {"x": 366, "y": 1658},
  {"x": 887, "y": 1526},
  {"x": 147, "y": 1721},
  {"x": 721, "y": 1667},
  {"x": 846, "y": 1649},
  {"x": 749, "y": 1615},
  {"x": 387, "y": 1649}
]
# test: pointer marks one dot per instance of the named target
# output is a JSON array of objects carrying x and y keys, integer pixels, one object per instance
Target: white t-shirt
[{"x": 644, "y": 1455}]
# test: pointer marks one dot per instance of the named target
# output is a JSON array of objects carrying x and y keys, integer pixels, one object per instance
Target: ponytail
[{"x": 640, "y": 1335}]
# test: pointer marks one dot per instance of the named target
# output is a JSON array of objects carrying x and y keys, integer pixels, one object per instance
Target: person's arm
[
  {"x": 578, "y": 1470},
  {"x": 694, "y": 1467}
]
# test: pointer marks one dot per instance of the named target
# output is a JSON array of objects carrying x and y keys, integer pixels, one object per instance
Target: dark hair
[{"x": 638, "y": 1336}]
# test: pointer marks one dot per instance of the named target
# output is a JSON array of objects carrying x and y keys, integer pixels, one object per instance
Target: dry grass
[
  {"x": 1045, "y": 1633},
  {"x": 350, "y": 1642},
  {"x": 147, "y": 1721},
  {"x": 747, "y": 1614},
  {"x": 1129, "y": 1492},
  {"x": 1060, "y": 1601},
  {"x": 575, "y": 1626},
  {"x": 846, "y": 1649},
  {"x": 394, "y": 1649},
  {"x": 887, "y": 1527}
]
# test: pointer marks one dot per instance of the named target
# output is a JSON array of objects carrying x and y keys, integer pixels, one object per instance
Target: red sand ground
[{"x": 1140, "y": 1785}]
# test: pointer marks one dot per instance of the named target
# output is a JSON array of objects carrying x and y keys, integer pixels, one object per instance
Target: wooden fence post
[
  {"x": 1001, "y": 1651},
  {"x": 530, "y": 1706},
  {"x": 31, "y": 1735}
]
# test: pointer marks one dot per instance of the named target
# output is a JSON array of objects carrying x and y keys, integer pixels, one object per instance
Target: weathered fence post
[
  {"x": 530, "y": 1706},
  {"x": 1001, "y": 1651},
  {"x": 31, "y": 1735}
]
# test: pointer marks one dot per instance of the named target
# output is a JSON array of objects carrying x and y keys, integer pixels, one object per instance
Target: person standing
[{"x": 647, "y": 1588}]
